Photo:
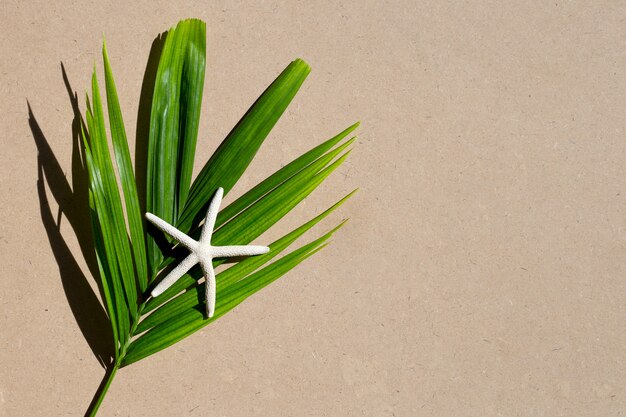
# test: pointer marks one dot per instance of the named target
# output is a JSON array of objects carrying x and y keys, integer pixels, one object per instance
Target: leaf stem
[
  {"x": 110, "y": 374},
  {"x": 102, "y": 390}
]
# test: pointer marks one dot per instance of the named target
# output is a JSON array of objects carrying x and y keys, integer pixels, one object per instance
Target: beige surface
[{"x": 482, "y": 274}]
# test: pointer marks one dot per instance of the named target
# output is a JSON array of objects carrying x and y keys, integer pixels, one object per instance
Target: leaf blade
[
  {"x": 192, "y": 319},
  {"x": 235, "y": 153},
  {"x": 260, "y": 216},
  {"x": 105, "y": 276},
  {"x": 280, "y": 176},
  {"x": 235, "y": 272},
  {"x": 105, "y": 247},
  {"x": 112, "y": 201},
  {"x": 126, "y": 173},
  {"x": 174, "y": 120}
]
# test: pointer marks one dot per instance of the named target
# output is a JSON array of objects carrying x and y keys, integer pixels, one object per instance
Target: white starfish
[{"x": 201, "y": 252}]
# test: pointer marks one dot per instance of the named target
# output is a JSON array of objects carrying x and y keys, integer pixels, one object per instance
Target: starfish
[{"x": 201, "y": 252}]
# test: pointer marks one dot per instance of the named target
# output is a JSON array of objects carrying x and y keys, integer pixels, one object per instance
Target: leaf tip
[
  {"x": 340, "y": 225},
  {"x": 301, "y": 65},
  {"x": 353, "y": 192},
  {"x": 105, "y": 54}
]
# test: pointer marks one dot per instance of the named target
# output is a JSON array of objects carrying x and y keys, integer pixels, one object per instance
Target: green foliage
[
  {"x": 176, "y": 103},
  {"x": 130, "y": 258}
]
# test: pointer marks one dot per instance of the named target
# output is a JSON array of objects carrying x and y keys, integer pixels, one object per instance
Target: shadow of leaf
[{"x": 73, "y": 205}]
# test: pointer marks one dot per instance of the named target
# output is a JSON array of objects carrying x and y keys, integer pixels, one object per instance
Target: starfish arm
[
  {"x": 231, "y": 251},
  {"x": 210, "y": 289},
  {"x": 175, "y": 274},
  {"x": 211, "y": 216},
  {"x": 164, "y": 226}
]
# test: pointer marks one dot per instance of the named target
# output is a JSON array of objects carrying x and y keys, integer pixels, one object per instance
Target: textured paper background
[{"x": 482, "y": 273}]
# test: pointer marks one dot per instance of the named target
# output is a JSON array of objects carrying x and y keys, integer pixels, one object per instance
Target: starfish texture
[{"x": 201, "y": 252}]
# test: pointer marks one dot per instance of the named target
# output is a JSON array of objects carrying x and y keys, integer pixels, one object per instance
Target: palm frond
[{"x": 131, "y": 257}]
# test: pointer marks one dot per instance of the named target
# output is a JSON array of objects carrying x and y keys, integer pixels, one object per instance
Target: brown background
[{"x": 482, "y": 273}]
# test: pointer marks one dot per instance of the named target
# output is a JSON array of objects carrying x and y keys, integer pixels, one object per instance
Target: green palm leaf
[
  {"x": 280, "y": 176},
  {"x": 127, "y": 176},
  {"x": 255, "y": 219},
  {"x": 191, "y": 318},
  {"x": 174, "y": 121},
  {"x": 130, "y": 258},
  {"x": 236, "y": 272},
  {"x": 234, "y": 155}
]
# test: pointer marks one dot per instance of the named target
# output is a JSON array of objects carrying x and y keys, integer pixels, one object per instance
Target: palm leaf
[
  {"x": 110, "y": 291},
  {"x": 130, "y": 257},
  {"x": 174, "y": 121},
  {"x": 105, "y": 247},
  {"x": 127, "y": 176},
  {"x": 192, "y": 318},
  {"x": 234, "y": 155},
  {"x": 280, "y": 176},
  {"x": 236, "y": 272},
  {"x": 255, "y": 219}
]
